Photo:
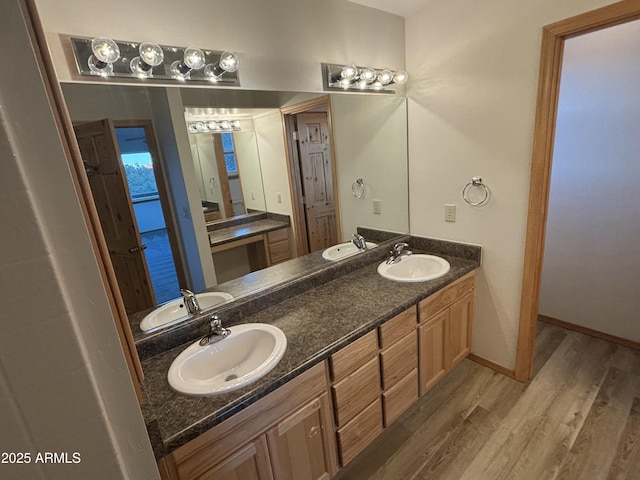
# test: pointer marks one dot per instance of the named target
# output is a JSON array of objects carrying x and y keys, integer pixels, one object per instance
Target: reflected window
[{"x": 229, "y": 153}]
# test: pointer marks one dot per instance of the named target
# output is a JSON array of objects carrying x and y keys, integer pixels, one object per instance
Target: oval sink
[
  {"x": 415, "y": 268},
  {"x": 174, "y": 311},
  {"x": 249, "y": 352},
  {"x": 343, "y": 250}
]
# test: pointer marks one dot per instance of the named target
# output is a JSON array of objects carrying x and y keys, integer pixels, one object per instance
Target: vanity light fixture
[
  {"x": 214, "y": 126},
  {"x": 352, "y": 77},
  {"x": 151, "y": 62}
]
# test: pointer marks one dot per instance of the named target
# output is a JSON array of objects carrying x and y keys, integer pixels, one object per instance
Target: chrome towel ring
[
  {"x": 357, "y": 188},
  {"x": 475, "y": 193}
]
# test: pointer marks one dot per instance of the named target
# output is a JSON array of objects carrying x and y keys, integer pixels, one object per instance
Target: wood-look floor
[{"x": 578, "y": 418}]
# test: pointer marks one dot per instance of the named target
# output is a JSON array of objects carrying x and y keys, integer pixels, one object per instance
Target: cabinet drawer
[
  {"x": 352, "y": 356},
  {"x": 353, "y": 393},
  {"x": 280, "y": 235},
  {"x": 445, "y": 297},
  {"x": 360, "y": 432},
  {"x": 279, "y": 252},
  {"x": 400, "y": 397},
  {"x": 399, "y": 326},
  {"x": 399, "y": 360}
]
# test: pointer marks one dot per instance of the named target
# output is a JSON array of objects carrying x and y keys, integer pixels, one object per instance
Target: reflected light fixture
[
  {"x": 193, "y": 59},
  {"x": 151, "y": 55},
  {"x": 214, "y": 126},
  {"x": 153, "y": 62},
  {"x": 352, "y": 77},
  {"x": 228, "y": 63},
  {"x": 104, "y": 53}
]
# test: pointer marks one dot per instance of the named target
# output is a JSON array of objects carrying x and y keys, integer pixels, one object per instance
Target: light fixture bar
[
  {"x": 361, "y": 79},
  {"x": 128, "y": 51},
  {"x": 214, "y": 126}
]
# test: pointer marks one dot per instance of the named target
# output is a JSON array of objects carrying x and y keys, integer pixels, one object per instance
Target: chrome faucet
[
  {"x": 359, "y": 241},
  {"x": 190, "y": 301},
  {"x": 397, "y": 251},
  {"x": 217, "y": 332}
]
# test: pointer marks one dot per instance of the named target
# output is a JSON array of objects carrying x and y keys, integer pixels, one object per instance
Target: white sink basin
[
  {"x": 174, "y": 311},
  {"x": 415, "y": 268},
  {"x": 249, "y": 352},
  {"x": 343, "y": 250}
]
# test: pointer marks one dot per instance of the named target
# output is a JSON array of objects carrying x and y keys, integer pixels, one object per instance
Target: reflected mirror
[{"x": 213, "y": 180}]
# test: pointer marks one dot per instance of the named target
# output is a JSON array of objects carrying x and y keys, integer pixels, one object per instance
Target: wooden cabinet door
[
  {"x": 251, "y": 462},
  {"x": 431, "y": 344},
  {"x": 460, "y": 330},
  {"x": 302, "y": 445}
]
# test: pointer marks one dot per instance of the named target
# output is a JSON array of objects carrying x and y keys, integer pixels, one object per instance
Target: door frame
[
  {"x": 293, "y": 168},
  {"x": 553, "y": 37}
]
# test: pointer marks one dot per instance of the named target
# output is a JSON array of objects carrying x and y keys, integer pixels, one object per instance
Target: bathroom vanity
[{"x": 361, "y": 350}]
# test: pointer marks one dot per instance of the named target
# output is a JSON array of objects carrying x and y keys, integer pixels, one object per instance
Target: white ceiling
[{"x": 398, "y": 7}]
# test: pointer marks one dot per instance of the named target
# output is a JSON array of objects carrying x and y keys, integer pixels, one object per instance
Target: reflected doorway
[{"x": 312, "y": 173}]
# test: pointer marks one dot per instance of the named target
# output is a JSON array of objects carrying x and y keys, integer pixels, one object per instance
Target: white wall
[
  {"x": 472, "y": 95},
  {"x": 248, "y": 159},
  {"x": 592, "y": 252},
  {"x": 370, "y": 135},
  {"x": 64, "y": 384},
  {"x": 275, "y": 176}
]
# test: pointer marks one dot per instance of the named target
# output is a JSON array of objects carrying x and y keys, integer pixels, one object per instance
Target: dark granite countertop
[
  {"x": 317, "y": 323},
  {"x": 237, "y": 232}
]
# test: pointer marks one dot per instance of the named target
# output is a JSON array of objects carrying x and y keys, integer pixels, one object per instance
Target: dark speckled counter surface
[
  {"x": 317, "y": 323},
  {"x": 237, "y": 232}
]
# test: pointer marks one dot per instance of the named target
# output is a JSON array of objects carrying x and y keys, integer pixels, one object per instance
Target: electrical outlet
[
  {"x": 278, "y": 197},
  {"x": 377, "y": 207},
  {"x": 449, "y": 213}
]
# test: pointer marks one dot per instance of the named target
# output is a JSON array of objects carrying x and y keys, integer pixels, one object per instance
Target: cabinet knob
[{"x": 313, "y": 431}]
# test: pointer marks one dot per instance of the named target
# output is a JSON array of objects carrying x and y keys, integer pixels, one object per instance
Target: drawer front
[
  {"x": 398, "y": 327},
  {"x": 399, "y": 360},
  {"x": 353, "y": 393},
  {"x": 280, "y": 235},
  {"x": 400, "y": 397},
  {"x": 445, "y": 297},
  {"x": 360, "y": 432},
  {"x": 352, "y": 356},
  {"x": 279, "y": 252}
]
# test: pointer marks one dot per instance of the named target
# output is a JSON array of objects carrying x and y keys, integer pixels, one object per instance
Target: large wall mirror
[{"x": 214, "y": 176}]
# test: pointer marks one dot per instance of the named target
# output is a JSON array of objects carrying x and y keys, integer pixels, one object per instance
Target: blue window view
[
  {"x": 229, "y": 152},
  {"x": 138, "y": 168}
]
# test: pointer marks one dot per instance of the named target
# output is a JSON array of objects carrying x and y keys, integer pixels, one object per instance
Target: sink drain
[{"x": 230, "y": 377}]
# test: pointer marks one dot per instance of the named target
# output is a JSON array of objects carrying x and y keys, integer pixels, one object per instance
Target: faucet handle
[{"x": 399, "y": 247}]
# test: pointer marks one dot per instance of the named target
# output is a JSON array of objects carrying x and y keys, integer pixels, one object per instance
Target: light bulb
[
  {"x": 193, "y": 59},
  {"x": 105, "y": 52},
  {"x": 236, "y": 124},
  {"x": 349, "y": 72},
  {"x": 385, "y": 77},
  {"x": 400, "y": 77},
  {"x": 225, "y": 125},
  {"x": 368, "y": 75},
  {"x": 151, "y": 55},
  {"x": 228, "y": 63},
  {"x": 212, "y": 125}
]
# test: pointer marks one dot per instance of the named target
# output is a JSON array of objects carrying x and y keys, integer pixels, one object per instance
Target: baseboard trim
[
  {"x": 588, "y": 331},
  {"x": 492, "y": 365}
]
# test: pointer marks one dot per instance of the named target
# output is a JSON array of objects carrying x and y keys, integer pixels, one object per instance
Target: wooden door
[
  {"x": 251, "y": 462},
  {"x": 101, "y": 157},
  {"x": 300, "y": 444},
  {"x": 317, "y": 180},
  {"x": 431, "y": 346}
]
